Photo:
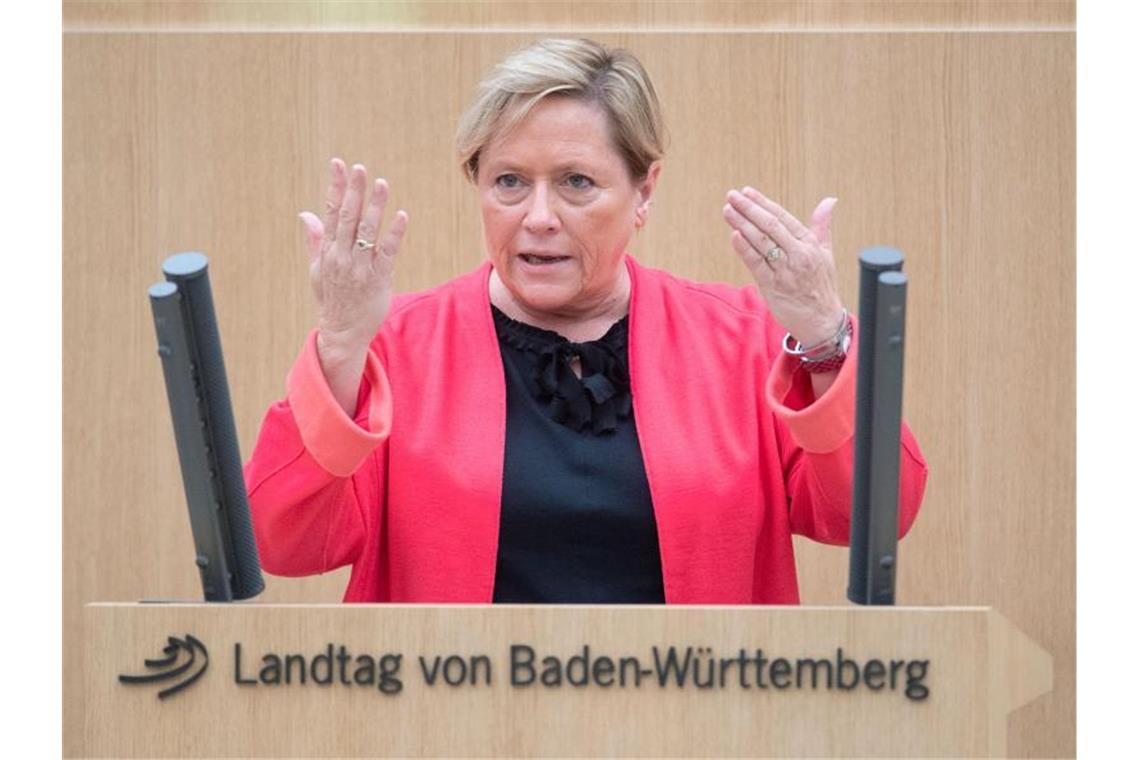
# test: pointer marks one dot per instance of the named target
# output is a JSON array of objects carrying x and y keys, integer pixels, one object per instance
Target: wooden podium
[{"x": 507, "y": 681}]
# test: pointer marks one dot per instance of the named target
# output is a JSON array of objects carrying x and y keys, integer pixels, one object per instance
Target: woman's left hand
[{"x": 798, "y": 281}]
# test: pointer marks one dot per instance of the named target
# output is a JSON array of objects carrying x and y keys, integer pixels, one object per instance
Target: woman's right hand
[{"x": 351, "y": 264}]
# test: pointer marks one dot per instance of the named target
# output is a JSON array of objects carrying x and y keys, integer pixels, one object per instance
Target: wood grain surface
[
  {"x": 956, "y": 673},
  {"x": 956, "y": 147},
  {"x": 485, "y": 15}
]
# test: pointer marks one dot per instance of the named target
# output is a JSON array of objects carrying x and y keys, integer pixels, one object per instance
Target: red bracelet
[{"x": 824, "y": 365}]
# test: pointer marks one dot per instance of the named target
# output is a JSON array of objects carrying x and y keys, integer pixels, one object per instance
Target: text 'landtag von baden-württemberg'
[{"x": 663, "y": 667}]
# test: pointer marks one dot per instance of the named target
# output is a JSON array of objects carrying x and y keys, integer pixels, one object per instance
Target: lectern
[{"x": 262, "y": 680}]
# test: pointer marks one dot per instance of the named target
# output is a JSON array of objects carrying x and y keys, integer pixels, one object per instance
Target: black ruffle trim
[{"x": 600, "y": 397}]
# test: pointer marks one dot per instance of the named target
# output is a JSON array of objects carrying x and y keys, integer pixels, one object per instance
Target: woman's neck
[{"x": 589, "y": 323}]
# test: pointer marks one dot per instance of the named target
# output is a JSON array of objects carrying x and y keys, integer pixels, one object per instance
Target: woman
[{"x": 563, "y": 424}]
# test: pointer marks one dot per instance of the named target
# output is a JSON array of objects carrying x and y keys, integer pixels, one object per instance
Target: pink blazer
[{"x": 737, "y": 454}]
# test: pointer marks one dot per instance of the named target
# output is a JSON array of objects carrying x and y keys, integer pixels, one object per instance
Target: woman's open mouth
[{"x": 541, "y": 259}]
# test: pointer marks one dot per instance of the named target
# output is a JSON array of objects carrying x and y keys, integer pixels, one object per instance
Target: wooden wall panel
[
  {"x": 503, "y": 15},
  {"x": 958, "y": 148}
]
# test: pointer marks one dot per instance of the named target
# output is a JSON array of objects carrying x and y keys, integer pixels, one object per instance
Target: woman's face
[{"x": 559, "y": 208}]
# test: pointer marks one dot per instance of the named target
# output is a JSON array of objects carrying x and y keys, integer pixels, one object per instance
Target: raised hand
[
  {"x": 792, "y": 264},
  {"x": 351, "y": 263}
]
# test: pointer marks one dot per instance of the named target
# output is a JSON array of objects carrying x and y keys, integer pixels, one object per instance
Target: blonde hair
[{"x": 576, "y": 68}]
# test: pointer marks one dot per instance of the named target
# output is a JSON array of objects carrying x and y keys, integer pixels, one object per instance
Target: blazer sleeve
[
  {"x": 817, "y": 450},
  {"x": 315, "y": 487}
]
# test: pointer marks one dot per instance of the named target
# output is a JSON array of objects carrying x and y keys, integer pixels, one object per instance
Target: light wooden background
[{"x": 949, "y": 134}]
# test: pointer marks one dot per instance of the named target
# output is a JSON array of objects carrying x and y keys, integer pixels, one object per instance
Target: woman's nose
[{"x": 540, "y": 215}]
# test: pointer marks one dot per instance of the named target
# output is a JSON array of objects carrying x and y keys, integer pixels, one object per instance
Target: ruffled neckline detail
[{"x": 595, "y": 401}]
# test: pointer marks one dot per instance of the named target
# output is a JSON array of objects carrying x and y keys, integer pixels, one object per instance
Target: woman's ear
[{"x": 645, "y": 193}]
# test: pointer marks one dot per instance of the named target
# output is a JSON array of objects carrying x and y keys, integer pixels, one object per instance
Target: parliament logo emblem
[{"x": 183, "y": 662}]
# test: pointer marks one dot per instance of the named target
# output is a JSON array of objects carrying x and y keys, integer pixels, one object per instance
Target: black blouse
[{"x": 577, "y": 523}]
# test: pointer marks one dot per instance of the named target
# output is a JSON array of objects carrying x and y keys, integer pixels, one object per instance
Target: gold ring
[
  {"x": 774, "y": 254},
  {"x": 364, "y": 245}
]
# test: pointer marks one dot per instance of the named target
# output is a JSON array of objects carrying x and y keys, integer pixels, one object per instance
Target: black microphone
[
  {"x": 878, "y": 425},
  {"x": 199, "y": 397}
]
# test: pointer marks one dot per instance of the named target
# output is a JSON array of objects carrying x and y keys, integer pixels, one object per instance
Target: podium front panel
[{"x": 356, "y": 680}]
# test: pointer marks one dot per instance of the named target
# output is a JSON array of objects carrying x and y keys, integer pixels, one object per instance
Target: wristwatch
[{"x": 826, "y": 356}]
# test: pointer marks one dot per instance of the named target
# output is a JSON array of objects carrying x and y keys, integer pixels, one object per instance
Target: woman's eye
[
  {"x": 507, "y": 181},
  {"x": 579, "y": 182}
]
